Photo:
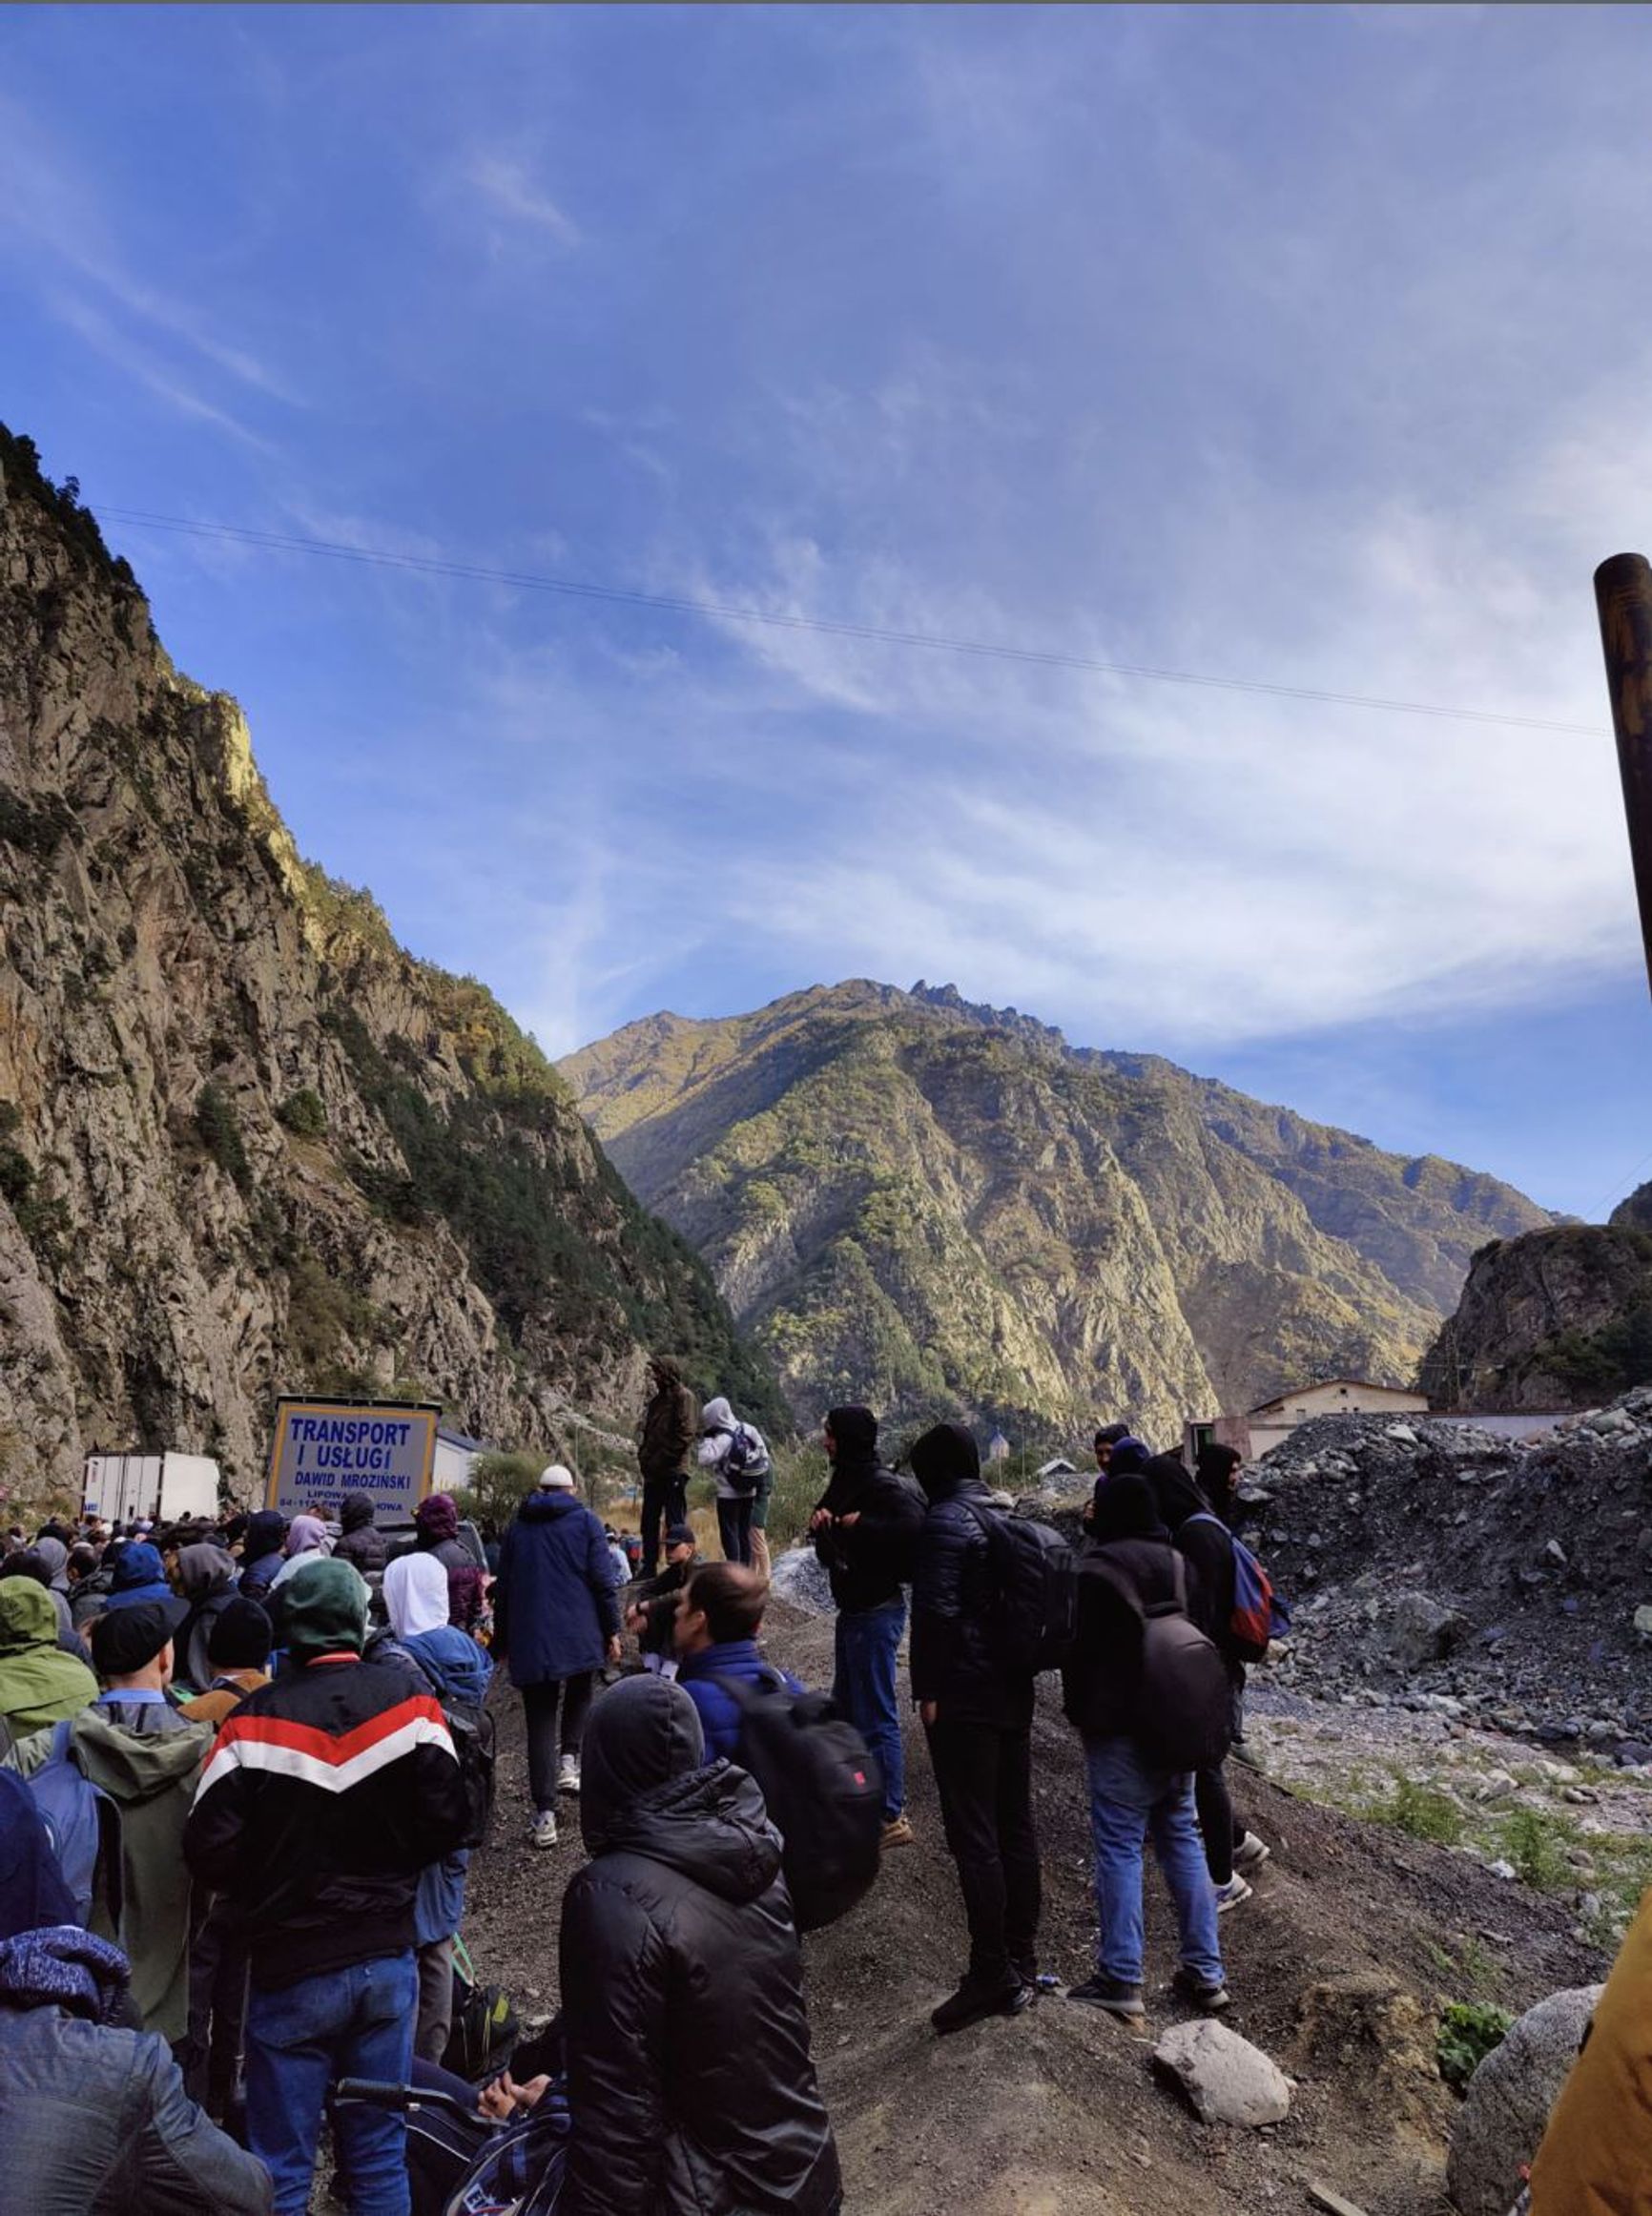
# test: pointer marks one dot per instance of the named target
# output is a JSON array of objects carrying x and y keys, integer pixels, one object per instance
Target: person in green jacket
[
  {"x": 134, "y": 1745},
  {"x": 39, "y": 1683}
]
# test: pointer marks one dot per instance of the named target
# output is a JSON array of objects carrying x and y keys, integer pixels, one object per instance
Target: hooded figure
[
  {"x": 977, "y": 1718},
  {"x": 1128, "y": 1540},
  {"x": 720, "y": 1429},
  {"x": 30, "y": 1562},
  {"x": 32, "y": 1888},
  {"x": 39, "y": 1684},
  {"x": 55, "y": 1556},
  {"x": 360, "y": 1542},
  {"x": 451, "y": 1663},
  {"x": 93, "y": 2115},
  {"x": 261, "y": 1552},
  {"x": 206, "y": 1576},
  {"x": 688, "y": 2039},
  {"x": 436, "y": 1531}
]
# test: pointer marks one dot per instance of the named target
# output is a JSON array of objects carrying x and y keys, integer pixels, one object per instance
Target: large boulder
[
  {"x": 1416, "y": 1629},
  {"x": 1509, "y": 2098},
  {"x": 1225, "y": 2078},
  {"x": 799, "y": 1578}
]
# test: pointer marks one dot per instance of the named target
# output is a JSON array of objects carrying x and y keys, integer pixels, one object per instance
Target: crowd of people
[{"x": 245, "y": 1766}]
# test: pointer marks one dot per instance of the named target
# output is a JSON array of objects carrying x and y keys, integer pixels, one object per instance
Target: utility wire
[{"x": 677, "y": 605}]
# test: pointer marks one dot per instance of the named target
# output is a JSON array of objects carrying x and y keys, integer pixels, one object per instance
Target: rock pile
[{"x": 1441, "y": 1567}]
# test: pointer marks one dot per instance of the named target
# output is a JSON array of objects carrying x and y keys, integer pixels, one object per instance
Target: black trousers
[
  {"x": 545, "y": 1744},
  {"x": 735, "y": 1530},
  {"x": 1218, "y": 1826},
  {"x": 984, "y": 1774},
  {"x": 662, "y": 1497}
]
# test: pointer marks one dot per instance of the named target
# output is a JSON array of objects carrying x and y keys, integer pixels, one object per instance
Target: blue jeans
[
  {"x": 1128, "y": 1802},
  {"x": 301, "y": 2039},
  {"x": 863, "y": 1686}
]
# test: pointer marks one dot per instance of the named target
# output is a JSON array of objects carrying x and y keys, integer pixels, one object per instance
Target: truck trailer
[{"x": 166, "y": 1487}]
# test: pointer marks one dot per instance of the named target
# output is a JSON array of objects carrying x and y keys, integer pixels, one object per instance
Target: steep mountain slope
[
  {"x": 247, "y": 1144},
  {"x": 942, "y": 1205}
]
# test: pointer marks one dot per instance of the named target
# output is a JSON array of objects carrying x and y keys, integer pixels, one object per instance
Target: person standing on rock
[
  {"x": 555, "y": 1618},
  {"x": 865, "y": 1527},
  {"x": 1128, "y": 1570},
  {"x": 664, "y": 1444},
  {"x": 1205, "y": 1543},
  {"x": 977, "y": 1719},
  {"x": 737, "y": 1455},
  {"x": 689, "y": 2075}
]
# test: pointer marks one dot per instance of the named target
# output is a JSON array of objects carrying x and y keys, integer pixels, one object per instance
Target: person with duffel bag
[{"x": 1149, "y": 1693}]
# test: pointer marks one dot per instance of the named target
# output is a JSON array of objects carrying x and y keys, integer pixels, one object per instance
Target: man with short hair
[
  {"x": 650, "y": 1604},
  {"x": 664, "y": 1443},
  {"x": 134, "y": 1746},
  {"x": 326, "y": 1793},
  {"x": 714, "y": 1636},
  {"x": 865, "y": 1527}
]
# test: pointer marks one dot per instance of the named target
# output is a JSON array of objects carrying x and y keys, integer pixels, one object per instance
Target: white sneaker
[
  {"x": 568, "y": 1774},
  {"x": 1250, "y": 1852},
  {"x": 544, "y": 1833},
  {"x": 1230, "y": 1895}
]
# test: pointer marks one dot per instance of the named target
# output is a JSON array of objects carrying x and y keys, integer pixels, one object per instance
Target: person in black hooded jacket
[
  {"x": 865, "y": 1526},
  {"x": 978, "y": 1719},
  {"x": 1202, "y": 1536},
  {"x": 689, "y": 2077},
  {"x": 360, "y": 1542}
]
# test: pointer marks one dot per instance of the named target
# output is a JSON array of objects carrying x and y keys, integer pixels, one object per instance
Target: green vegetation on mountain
[
  {"x": 942, "y": 1207},
  {"x": 248, "y": 1145}
]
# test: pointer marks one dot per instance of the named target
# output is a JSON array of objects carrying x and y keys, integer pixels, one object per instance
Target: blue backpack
[
  {"x": 1260, "y": 1614},
  {"x": 83, "y": 1825}
]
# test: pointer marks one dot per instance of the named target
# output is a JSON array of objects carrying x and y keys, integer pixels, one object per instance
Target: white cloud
[{"x": 509, "y": 187}]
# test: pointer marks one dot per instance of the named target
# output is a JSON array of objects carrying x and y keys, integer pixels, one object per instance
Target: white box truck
[{"x": 165, "y": 1486}]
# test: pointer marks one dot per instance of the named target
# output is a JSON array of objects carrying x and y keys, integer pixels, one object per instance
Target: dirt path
[{"x": 1356, "y": 1937}]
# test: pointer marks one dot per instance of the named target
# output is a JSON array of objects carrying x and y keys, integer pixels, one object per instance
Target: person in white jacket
[{"x": 737, "y": 1455}]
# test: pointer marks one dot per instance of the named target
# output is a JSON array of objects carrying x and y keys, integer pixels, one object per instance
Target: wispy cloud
[{"x": 510, "y": 187}]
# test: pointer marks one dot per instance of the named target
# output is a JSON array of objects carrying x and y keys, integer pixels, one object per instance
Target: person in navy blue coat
[
  {"x": 555, "y": 1618},
  {"x": 715, "y": 1635}
]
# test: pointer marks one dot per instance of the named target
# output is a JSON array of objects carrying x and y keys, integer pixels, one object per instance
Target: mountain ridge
[{"x": 837, "y": 1153}]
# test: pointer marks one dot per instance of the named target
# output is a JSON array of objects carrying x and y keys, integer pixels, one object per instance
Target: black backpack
[
  {"x": 746, "y": 1464},
  {"x": 824, "y": 1791},
  {"x": 1183, "y": 1706},
  {"x": 485, "y": 2028},
  {"x": 474, "y": 1736},
  {"x": 1034, "y": 1610}
]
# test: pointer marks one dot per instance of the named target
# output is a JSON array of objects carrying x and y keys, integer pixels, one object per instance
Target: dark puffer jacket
[
  {"x": 688, "y": 2039},
  {"x": 360, "y": 1542},
  {"x": 951, "y": 1663}
]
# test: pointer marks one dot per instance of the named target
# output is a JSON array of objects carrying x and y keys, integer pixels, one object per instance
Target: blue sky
[{"x": 1304, "y": 346}]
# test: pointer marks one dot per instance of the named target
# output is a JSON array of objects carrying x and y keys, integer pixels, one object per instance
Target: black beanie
[{"x": 239, "y": 1637}]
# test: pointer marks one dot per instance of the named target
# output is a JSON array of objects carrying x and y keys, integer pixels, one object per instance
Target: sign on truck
[{"x": 325, "y": 1449}]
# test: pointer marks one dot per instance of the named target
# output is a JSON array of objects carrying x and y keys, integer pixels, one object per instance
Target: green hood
[
  {"x": 325, "y": 1605},
  {"x": 132, "y": 1767},
  {"x": 27, "y": 1616}
]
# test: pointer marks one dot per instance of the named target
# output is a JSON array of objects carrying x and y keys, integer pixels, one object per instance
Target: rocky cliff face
[
  {"x": 935, "y": 1205},
  {"x": 1557, "y": 1320},
  {"x": 247, "y": 1144}
]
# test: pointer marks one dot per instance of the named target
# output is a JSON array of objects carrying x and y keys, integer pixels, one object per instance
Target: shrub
[
  {"x": 1423, "y": 1814},
  {"x": 302, "y": 1115},
  {"x": 221, "y": 1133},
  {"x": 1468, "y": 2032},
  {"x": 1535, "y": 1844}
]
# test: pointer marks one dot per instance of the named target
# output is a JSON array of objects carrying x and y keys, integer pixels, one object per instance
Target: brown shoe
[{"x": 898, "y": 1832}]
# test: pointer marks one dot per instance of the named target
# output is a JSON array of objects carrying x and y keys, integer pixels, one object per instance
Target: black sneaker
[
  {"x": 1211, "y": 1998},
  {"x": 974, "y": 2003},
  {"x": 1125, "y": 2002}
]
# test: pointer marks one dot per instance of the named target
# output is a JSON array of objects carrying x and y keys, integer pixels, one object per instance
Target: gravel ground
[{"x": 1358, "y": 1934}]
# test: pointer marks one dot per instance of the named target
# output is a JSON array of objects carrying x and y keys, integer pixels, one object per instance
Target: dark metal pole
[{"x": 1623, "y": 596}]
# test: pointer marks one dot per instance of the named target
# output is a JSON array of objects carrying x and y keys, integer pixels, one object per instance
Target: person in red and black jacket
[{"x": 323, "y": 1798}]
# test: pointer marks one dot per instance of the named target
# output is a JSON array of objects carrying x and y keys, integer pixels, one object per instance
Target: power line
[{"x": 723, "y": 611}]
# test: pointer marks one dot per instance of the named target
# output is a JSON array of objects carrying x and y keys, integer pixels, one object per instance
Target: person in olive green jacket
[
  {"x": 40, "y": 1684},
  {"x": 134, "y": 1745}
]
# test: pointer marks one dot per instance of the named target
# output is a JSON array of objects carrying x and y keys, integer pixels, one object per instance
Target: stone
[
  {"x": 1509, "y": 2098},
  {"x": 1633, "y": 1753},
  {"x": 1502, "y": 1869},
  {"x": 1609, "y": 1421},
  {"x": 1556, "y": 1553},
  {"x": 1401, "y": 1433},
  {"x": 1419, "y": 1629},
  {"x": 1643, "y": 1622},
  {"x": 1224, "y": 2077}
]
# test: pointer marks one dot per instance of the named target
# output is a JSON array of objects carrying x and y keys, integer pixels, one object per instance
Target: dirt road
[{"x": 1337, "y": 1967}]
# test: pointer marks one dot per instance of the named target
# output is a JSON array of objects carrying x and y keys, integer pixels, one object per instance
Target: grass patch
[
  {"x": 1469, "y": 2030},
  {"x": 1423, "y": 1814}
]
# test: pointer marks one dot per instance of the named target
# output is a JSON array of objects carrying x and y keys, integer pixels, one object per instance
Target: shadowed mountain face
[
  {"x": 248, "y": 1145},
  {"x": 937, "y": 1206}
]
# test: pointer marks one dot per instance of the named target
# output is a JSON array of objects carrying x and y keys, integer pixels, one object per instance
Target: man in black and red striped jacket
[{"x": 324, "y": 1796}]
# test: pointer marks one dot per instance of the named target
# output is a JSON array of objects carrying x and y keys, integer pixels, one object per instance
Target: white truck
[{"x": 167, "y": 1487}]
